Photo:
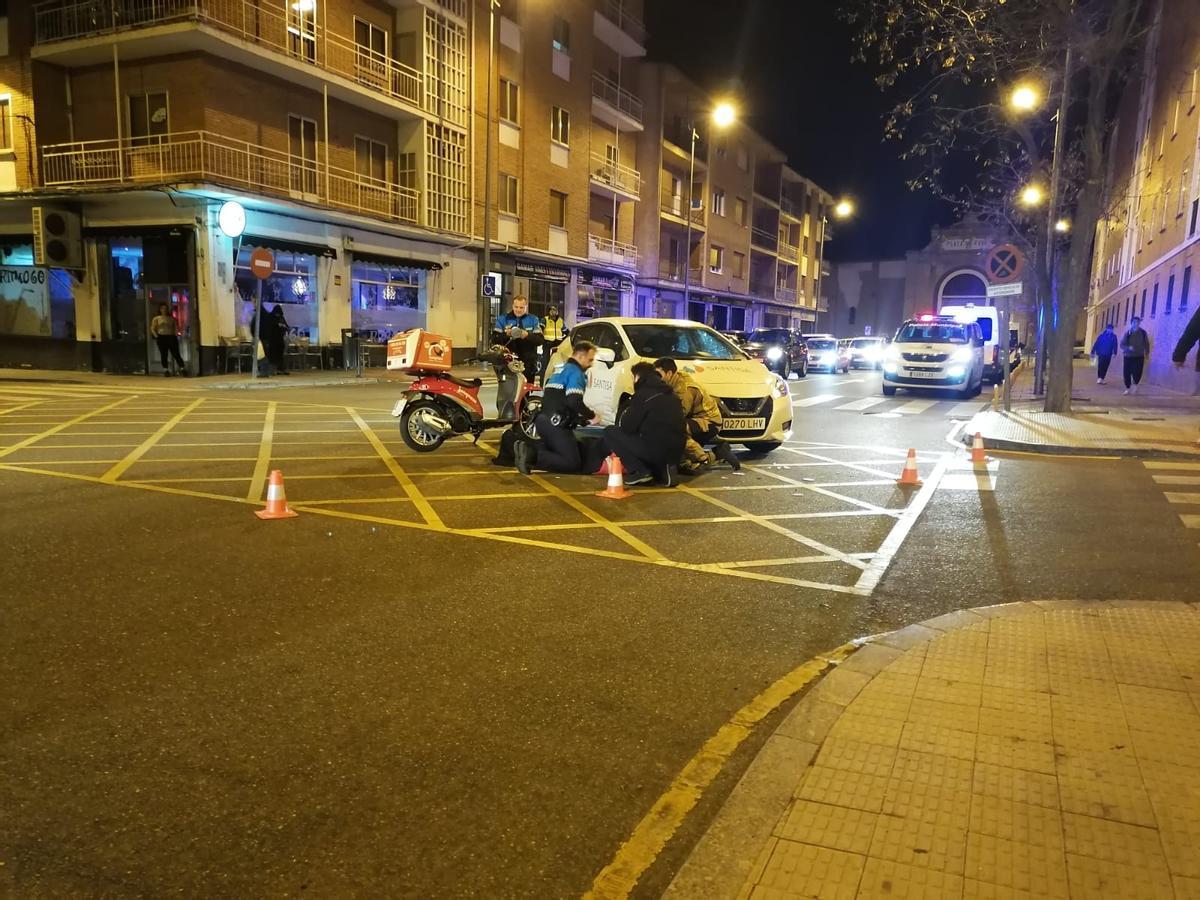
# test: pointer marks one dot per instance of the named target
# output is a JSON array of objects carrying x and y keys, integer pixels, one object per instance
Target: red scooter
[{"x": 438, "y": 405}]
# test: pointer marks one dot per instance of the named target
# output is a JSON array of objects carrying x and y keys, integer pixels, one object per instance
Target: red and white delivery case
[{"x": 418, "y": 350}]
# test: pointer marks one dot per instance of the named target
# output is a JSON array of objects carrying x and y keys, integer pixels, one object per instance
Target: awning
[
  {"x": 286, "y": 246},
  {"x": 378, "y": 259}
]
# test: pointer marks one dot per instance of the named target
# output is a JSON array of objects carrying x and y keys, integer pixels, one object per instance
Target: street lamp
[
  {"x": 1025, "y": 97},
  {"x": 722, "y": 115},
  {"x": 1062, "y": 226},
  {"x": 1032, "y": 195},
  {"x": 844, "y": 209}
]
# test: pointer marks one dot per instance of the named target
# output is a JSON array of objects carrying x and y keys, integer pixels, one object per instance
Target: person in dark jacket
[
  {"x": 563, "y": 410},
  {"x": 1187, "y": 340},
  {"x": 651, "y": 434},
  {"x": 1135, "y": 345},
  {"x": 1103, "y": 351}
]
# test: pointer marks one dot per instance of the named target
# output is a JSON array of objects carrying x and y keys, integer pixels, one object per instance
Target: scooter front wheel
[
  {"x": 529, "y": 411},
  {"x": 423, "y": 426}
]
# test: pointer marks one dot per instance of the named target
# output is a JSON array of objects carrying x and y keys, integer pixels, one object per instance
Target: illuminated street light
[
  {"x": 1032, "y": 195},
  {"x": 1062, "y": 226},
  {"x": 843, "y": 209},
  {"x": 723, "y": 114},
  {"x": 1024, "y": 97}
]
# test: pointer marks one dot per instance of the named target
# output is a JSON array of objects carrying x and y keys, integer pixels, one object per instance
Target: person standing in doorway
[
  {"x": 1103, "y": 350},
  {"x": 165, "y": 331},
  {"x": 554, "y": 329},
  {"x": 1135, "y": 345}
]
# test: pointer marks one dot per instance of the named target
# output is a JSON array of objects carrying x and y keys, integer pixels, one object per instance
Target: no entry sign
[{"x": 262, "y": 263}]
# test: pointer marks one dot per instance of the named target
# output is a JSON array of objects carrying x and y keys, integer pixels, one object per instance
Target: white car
[
  {"x": 935, "y": 353},
  {"x": 756, "y": 406}
]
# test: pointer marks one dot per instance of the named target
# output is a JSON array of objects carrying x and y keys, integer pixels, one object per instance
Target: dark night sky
[{"x": 788, "y": 63}]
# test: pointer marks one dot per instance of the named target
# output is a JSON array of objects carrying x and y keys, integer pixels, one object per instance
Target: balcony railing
[
  {"x": 204, "y": 156},
  {"x": 788, "y": 251},
  {"x": 761, "y": 237},
  {"x": 612, "y": 251},
  {"x": 623, "y": 179},
  {"x": 244, "y": 19},
  {"x": 670, "y": 271},
  {"x": 619, "y": 16},
  {"x": 791, "y": 207},
  {"x": 675, "y": 205},
  {"x": 616, "y": 96},
  {"x": 786, "y": 294}
]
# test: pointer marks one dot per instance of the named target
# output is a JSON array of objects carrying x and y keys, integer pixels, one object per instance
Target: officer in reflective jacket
[{"x": 562, "y": 411}]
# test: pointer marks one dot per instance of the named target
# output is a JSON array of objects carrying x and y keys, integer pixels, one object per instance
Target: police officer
[
  {"x": 562, "y": 410},
  {"x": 522, "y": 333}
]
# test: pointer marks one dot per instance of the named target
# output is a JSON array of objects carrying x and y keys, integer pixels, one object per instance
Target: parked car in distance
[
  {"x": 828, "y": 355},
  {"x": 781, "y": 350},
  {"x": 866, "y": 352}
]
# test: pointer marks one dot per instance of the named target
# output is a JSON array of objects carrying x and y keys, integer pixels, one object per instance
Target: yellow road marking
[
  {"x": 423, "y": 506},
  {"x": 254, "y": 492},
  {"x": 585, "y": 510},
  {"x": 787, "y": 561},
  {"x": 33, "y": 439},
  {"x": 140, "y": 450},
  {"x": 19, "y": 407},
  {"x": 636, "y": 855}
]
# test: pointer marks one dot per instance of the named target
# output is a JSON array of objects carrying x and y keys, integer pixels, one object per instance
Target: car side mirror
[{"x": 606, "y": 356}]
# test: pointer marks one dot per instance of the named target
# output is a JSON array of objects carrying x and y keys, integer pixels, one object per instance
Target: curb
[
  {"x": 738, "y": 842},
  {"x": 267, "y": 384},
  {"x": 990, "y": 443}
]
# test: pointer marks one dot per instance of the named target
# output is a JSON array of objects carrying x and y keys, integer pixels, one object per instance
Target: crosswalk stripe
[
  {"x": 1177, "y": 479},
  {"x": 816, "y": 400},
  {"x": 967, "y": 409},
  {"x": 1186, "y": 466},
  {"x": 913, "y": 407},
  {"x": 1182, "y": 496},
  {"x": 1190, "y": 521},
  {"x": 857, "y": 405}
]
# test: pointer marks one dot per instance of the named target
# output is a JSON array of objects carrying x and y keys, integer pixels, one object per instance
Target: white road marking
[
  {"x": 913, "y": 407},
  {"x": 1190, "y": 521},
  {"x": 962, "y": 475},
  {"x": 1177, "y": 479},
  {"x": 865, "y": 403},
  {"x": 814, "y": 401},
  {"x": 1182, "y": 497},
  {"x": 966, "y": 410},
  {"x": 1186, "y": 466}
]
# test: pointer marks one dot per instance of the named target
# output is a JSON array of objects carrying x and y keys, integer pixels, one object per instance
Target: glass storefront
[
  {"x": 293, "y": 287},
  {"x": 34, "y": 301},
  {"x": 600, "y": 294},
  {"x": 386, "y": 299}
]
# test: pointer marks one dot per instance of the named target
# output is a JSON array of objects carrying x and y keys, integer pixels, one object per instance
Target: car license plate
[
  {"x": 399, "y": 407},
  {"x": 923, "y": 373},
  {"x": 743, "y": 424}
]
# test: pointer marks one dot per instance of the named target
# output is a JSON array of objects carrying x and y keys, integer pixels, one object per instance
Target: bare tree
[{"x": 951, "y": 63}]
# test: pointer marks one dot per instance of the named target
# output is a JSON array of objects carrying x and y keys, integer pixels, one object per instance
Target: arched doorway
[{"x": 962, "y": 287}]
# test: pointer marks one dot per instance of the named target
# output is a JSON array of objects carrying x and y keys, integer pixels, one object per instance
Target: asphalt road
[{"x": 357, "y": 703}]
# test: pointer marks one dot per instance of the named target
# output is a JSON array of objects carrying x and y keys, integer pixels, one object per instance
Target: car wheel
[
  {"x": 803, "y": 373},
  {"x": 763, "y": 446},
  {"x": 786, "y": 372},
  {"x": 889, "y": 390}
]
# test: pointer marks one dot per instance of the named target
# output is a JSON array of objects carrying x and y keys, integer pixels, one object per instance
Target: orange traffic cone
[
  {"x": 603, "y": 470},
  {"x": 977, "y": 454},
  {"x": 616, "y": 480},
  {"x": 909, "y": 475},
  {"x": 277, "y": 507}
]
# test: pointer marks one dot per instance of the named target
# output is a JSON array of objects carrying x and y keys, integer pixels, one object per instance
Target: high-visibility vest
[{"x": 554, "y": 329}]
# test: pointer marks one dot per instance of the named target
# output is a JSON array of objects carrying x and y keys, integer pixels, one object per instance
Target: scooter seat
[{"x": 463, "y": 382}]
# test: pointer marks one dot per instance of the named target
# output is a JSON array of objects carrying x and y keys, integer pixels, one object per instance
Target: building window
[
  {"x": 1184, "y": 184},
  {"x": 743, "y": 159},
  {"x": 508, "y": 194},
  {"x": 1154, "y": 302},
  {"x": 372, "y": 51},
  {"x": 558, "y": 209},
  {"x": 716, "y": 259},
  {"x": 1142, "y": 315},
  {"x": 739, "y": 265},
  {"x": 561, "y": 39},
  {"x": 385, "y": 298},
  {"x": 1170, "y": 295},
  {"x": 1162, "y": 225},
  {"x": 739, "y": 211},
  {"x": 302, "y": 147},
  {"x": 6, "y": 129},
  {"x": 510, "y": 100},
  {"x": 370, "y": 159},
  {"x": 852, "y": 315},
  {"x": 148, "y": 118},
  {"x": 718, "y": 202},
  {"x": 560, "y": 126},
  {"x": 1195, "y": 88},
  {"x": 1183, "y": 288}
]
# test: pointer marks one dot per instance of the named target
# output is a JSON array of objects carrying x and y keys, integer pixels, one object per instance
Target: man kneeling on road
[
  {"x": 651, "y": 433},
  {"x": 703, "y": 418},
  {"x": 562, "y": 411}
]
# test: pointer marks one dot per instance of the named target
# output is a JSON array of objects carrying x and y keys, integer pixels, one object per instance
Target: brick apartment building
[
  {"x": 1148, "y": 244},
  {"x": 352, "y": 132}
]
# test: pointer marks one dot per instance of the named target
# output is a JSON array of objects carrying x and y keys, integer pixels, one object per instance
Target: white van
[
  {"x": 935, "y": 353},
  {"x": 988, "y": 318}
]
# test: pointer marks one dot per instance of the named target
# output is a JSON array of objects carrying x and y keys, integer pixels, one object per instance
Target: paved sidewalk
[{"x": 1025, "y": 750}]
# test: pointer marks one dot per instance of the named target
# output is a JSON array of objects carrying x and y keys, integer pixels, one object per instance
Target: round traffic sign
[
  {"x": 262, "y": 263},
  {"x": 1004, "y": 264}
]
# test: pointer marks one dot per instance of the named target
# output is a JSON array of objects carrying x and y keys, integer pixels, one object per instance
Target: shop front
[
  {"x": 600, "y": 294},
  {"x": 293, "y": 289},
  {"x": 37, "y": 310},
  {"x": 387, "y": 296},
  {"x": 546, "y": 286},
  {"x": 718, "y": 313}
]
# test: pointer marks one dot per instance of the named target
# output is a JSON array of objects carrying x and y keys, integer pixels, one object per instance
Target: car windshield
[
  {"x": 769, "y": 336},
  {"x": 861, "y": 343},
  {"x": 821, "y": 344},
  {"x": 931, "y": 333},
  {"x": 680, "y": 342}
]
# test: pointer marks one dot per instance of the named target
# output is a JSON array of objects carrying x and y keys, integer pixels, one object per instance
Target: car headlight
[
  {"x": 956, "y": 371},
  {"x": 871, "y": 353},
  {"x": 774, "y": 354},
  {"x": 779, "y": 388},
  {"x": 962, "y": 355}
]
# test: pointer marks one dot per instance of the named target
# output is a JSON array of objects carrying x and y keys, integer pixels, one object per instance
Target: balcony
[
  {"x": 791, "y": 208},
  {"x": 762, "y": 239},
  {"x": 201, "y": 156},
  {"x": 271, "y": 40},
  {"x": 826, "y": 269},
  {"x": 613, "y": 104},
  {"x": 788, "y": 252},
  {"x": 616, "y": 28},
  {"x": 673, "y": 206},
  {"x": 614, "y": 179},
  {"x": 614, "y": 252},
  {"x": 785, "y": 294}
]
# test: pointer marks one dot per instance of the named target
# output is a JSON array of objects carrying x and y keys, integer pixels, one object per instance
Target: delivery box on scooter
[{"x": 418, "y": 350}]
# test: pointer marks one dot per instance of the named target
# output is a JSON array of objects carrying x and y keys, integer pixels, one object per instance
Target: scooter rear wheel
[
  {"x": 418, "y": 432},
  {"x": 529, "y": 411}
]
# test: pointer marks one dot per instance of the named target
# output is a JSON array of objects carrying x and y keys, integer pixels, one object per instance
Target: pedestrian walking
[
  {"x": 563, "y": 410},
  {"x": 1135, "y": 347},
  {"x": 702, "y": 415},
  {"x": 1103, "y": 350},
  {"x": 651, "y": 433},
  {"x": 165, "y": 331}
]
